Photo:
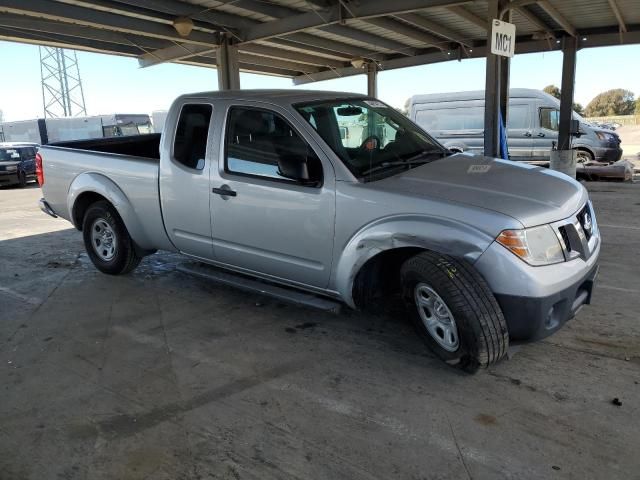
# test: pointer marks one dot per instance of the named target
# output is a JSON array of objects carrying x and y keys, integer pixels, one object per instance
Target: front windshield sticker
[
  {"x": 479, "y": 168},
  {"x": 375, "y": 104}
]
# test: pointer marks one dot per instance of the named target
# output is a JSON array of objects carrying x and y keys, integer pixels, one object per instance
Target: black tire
[
  {"x": 583, "y": 156},
  {"x": 22, "y": 179},
  {"x": 483, "y": 337},
  {"x": 125, "y": 259}
]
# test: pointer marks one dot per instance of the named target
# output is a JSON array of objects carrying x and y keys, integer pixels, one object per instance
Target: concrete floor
[{"x": 161, "y": 376}]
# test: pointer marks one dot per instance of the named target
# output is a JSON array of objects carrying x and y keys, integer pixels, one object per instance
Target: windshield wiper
[
  {"x": 417, "y": 159},
  {"x": 397, "y": 163}
]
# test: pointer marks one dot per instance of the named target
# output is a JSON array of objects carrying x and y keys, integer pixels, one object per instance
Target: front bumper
[
  {"x": 537, "y": 301},
  {"x": 607, "y": 154},
  {"x": 533, "y": 318}
]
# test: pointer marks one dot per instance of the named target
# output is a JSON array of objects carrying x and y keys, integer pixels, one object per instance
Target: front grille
[
  {"x": 585, "y": 217},
  {"x": 578, "y": 233},
  {"x": 565, "y": 238}
]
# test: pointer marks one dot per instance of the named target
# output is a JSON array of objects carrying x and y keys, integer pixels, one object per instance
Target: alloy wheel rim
[
  {"x": 436, "y": 317},
  {"x": 103, "y": 239}
]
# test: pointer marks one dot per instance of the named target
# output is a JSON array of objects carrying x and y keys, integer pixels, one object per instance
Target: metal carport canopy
[{"x": 311, "y": 40}]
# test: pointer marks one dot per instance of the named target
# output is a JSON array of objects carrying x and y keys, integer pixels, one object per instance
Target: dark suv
[{"x": 17, "y": 163}]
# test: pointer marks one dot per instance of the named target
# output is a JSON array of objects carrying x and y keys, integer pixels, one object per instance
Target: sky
[{"x": 117, "y": 85}]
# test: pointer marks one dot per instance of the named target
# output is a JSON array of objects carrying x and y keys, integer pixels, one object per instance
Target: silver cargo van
[{"x": 457, "y": 121}]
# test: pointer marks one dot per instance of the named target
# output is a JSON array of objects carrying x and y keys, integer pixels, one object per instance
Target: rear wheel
[
  {"x": 107, "y": 240},
  {"x": 454, "y": 311}
]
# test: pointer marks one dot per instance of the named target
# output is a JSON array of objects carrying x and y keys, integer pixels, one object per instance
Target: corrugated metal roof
[{"x": 293, "y": 30}]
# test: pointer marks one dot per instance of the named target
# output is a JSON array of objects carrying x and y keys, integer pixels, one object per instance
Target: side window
[
  {"x": 518, "y": 116},
  {"x": 464, "y": 118},
  {"x": 549, "y": 118},
  {"x": 190, "y": 142},
  {"x": 260, "y": 143}
]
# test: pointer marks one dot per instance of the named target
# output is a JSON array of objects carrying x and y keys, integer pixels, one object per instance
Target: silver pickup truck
[{"x": 340, "y": 196}]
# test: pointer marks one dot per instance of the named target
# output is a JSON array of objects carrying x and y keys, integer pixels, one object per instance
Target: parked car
[
  {"x": 261, "y": 183},
  {"x": 17, "y": 163},
  {"x": 457, "y": 120}
]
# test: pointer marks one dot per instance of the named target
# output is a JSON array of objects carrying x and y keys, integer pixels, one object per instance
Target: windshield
[
  {"x": 9, "y": 155},
  {"x": 370, "y": 136}
]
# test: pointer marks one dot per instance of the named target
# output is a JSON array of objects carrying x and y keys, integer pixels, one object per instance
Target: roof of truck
[
  {"x": 275, "y": 95},
  {"x": 477, "y": 95}
]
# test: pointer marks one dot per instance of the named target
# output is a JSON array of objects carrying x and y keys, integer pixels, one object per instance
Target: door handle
[
  {"x": 541, "y": 134},
  {"x": 224, "y": 191},
  {"x": 527, "y": 134}
]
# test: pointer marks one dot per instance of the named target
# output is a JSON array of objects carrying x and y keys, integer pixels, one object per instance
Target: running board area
[{"x": 249, "y": 284}]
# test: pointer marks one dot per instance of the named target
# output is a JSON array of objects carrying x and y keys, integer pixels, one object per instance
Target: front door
[
  {"x": 184, "y": 180},
  {"x": 546, "y": 132},
  {"x": 267, "y": 223}
]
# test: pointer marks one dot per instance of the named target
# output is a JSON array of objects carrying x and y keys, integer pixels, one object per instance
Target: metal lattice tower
[{"x": 62, "y": 94}]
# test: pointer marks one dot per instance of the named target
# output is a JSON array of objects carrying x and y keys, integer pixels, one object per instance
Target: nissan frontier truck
[{"x": 263, "y": 185}]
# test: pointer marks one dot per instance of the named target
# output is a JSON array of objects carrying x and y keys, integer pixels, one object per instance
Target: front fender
[
  {"x": 433, "y": 233},
  {"x": 102, "y": 185}
]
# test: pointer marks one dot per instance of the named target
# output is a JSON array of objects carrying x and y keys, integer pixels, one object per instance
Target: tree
[
  {"x": 552, "y": 90},
  {"x": 612, "y": 102},
  {"x": 578, "y": 108},
  {"x": 555, "y": 92},
  {"x": 638, "y": 106}
]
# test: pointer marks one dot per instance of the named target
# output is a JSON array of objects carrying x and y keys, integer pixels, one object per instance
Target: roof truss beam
[
  {"x": 236, "y": 22},
  {"x": 435, "y": 27},
  {"x": 408, "y": 31},
  {"x": 616, "y": 11},
  {"x": 79, "y": 31},
  {"x": 558, "y": 17},
  {"x": 99, "y": 19},
  {"x": 469, "y": 16},
  {"x": 534, "y": 20},
  {"x": 338, "y": 14}
]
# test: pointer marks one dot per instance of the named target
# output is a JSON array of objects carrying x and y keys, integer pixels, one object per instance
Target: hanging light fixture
[{"x": 183, "y": 26}]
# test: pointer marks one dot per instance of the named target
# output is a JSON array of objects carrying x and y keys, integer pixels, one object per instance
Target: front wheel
[
  {"x": 454, "y": 311},
  {"x": 107, "y": 240},
  {"x": 582, "y": 156}
]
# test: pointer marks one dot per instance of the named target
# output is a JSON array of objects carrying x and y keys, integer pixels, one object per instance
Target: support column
[
  {"x": 372, "y": 79},
  {"x": 503, "y": 95},
  {"x": 564, "y": 159},
  {"x": 491, "y": 94},
  {"x": 227, "y": 64}
]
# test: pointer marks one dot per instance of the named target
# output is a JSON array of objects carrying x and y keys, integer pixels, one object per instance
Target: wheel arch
[
  {"x": 380, "y": 244},
  {"x": 88, "y": 188}
]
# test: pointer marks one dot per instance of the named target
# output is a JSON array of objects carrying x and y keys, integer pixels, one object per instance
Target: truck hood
[{"x": 532, "y": 195}]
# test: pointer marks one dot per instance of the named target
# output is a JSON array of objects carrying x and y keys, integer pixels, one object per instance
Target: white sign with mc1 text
[{"x": 503, "y": 38}]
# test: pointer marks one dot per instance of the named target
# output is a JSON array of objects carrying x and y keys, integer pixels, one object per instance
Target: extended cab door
[
  {"x": 184, "y": 178},
  {"x": 262, "y": 221}
]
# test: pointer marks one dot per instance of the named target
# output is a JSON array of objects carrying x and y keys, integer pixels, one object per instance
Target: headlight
[
  {"x": 536, "y": 246},
  {"x": 605, "y": 136},
  {"x": 11, "y": 168}
]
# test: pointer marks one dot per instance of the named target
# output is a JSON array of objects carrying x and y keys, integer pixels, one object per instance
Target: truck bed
[
  {"x": 147, "y": 146},
  {"x": 129, "y": 165}
]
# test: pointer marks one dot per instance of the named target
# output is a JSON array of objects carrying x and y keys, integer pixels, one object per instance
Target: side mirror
[{"x": 295, "y": 168}]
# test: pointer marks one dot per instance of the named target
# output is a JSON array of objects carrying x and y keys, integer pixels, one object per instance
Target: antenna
[{"x": 62, "y": 94}]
